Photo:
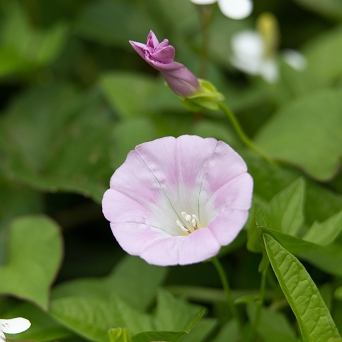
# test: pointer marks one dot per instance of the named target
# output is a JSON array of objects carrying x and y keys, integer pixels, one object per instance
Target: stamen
[
  {"x": 186, "y": 216},
  {"x": 184, "y": 229},
  {"x": 192, "y": 221}
]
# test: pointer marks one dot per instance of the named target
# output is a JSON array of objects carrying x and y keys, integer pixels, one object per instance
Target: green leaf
[
  {"x": 329, "y": 8},
  {"x": 125, "y": 316},
  {"x": 162, "y": 336},
  {"x": 290, "y": 242},
  {"x": 272, "y": 325},
  {"x": 306, "y": 132},
  {"x": 328, "y": 259},
  {"x": 34, "y": 257},
  {"x": 114, "y": 23},
  {"x": 229, "y": 332},
  {"x": 88, "y": 317},
  {"x": 326, "y": 232},
  {"x": 119, "y": 335},
  {"x": 322, "y": 55},
  {"x": 43, "y": 326},
  {"x": 200, "y": 331},
  {"x": 133, "y": 279},
  {"x": 175, "y": 334},
  {"x": 29, "y": 46},
  {"x": 286, "y": 208},
  {"x": 128, "y": 92},
  {"x": 313, "y": 317},
  {"x": 58, "y": 139},
  {"x": 173, "y": 314}
]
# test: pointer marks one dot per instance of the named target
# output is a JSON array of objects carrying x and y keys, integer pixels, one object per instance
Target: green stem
[
  {"x": 242, "y": 135},
  {"x": 259, "y": 306},
  {"x": 206, "y": 14},
  {"x": 226, "y": 287}
]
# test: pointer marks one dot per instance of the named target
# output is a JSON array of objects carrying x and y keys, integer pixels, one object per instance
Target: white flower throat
[{"x": 192, "y": 223}]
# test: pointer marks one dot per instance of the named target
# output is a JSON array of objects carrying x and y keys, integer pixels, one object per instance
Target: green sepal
[{"x": 206, "y": 97}]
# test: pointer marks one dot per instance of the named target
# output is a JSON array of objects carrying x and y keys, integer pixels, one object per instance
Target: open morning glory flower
[
  {"x": 161, "y": 57},
  {"x": 234, "y": 9},
  {"x": 13, "y": 326},
  {"x": 178, "y": 200}
]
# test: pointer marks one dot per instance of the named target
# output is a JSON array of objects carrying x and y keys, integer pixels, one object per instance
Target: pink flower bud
[{"x": 160, "y": 56}]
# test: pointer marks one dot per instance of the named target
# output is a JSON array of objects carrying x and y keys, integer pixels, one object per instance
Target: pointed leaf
[
  {"x": 323, "y": 233},
  {"x": 314, "y": 319},
  {"x": 88, "y": 317},
  {"x": 286, "y": 208},
  {"x": 35, "y": 253}
]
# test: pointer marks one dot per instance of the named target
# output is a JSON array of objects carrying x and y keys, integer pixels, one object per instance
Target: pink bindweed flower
[
  {"x": 178, "y": 200},
  {"x": 160, "y": 56}
]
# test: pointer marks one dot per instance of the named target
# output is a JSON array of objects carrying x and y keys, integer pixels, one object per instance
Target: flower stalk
[
  {"x": 241, "y": 134},
  {"x": 227, "y": 290}
]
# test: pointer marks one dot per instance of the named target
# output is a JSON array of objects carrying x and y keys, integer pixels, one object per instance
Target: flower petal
[
  {"x": 14, "y": 325},
  {"x": 236, "y": 9},
  {"x": 227, "y": 226},
  {"x": 198, "y": 246},
  {"x": 203, "y": 2},
  {"x": 269, "y": 70},
  {"x": 235, "y": 194},
  {"x": 295, "y": 59},
  {"x": 164, "y": 55},
  {"x": 134, "y": 238}
]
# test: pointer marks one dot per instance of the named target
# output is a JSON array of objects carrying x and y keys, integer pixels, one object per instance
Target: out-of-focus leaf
[
  {"x": 119, "y": 335},
  {"x": 57, "y": 139},
  {"x": 229, "y": 332},
  {"x": 115, "y": 22},
  {"x": 323, "y": 233},
  {"x": 133, "y": 279},
  {"x": 314, "y": 319},
  {"x": 200, "y": 331},
  {"x": 128, "y": 134},
  {"x": 125, "y": 316},
  {"x": 172, "y": 313},
  {"x": 328, "y": 259},
  {"x": 286, "y": 208},
  {"x": 306, "y": 133},
  {"x": 272, "y": 325},
  {"x": 329, "y": 8},
  {"x": 128, "y": 92},
  {"x": 43, "y": 326},
  {"x": 26, "y": 45},
  {"x": 87, "y": 316},
  {"x": 34, "y": 256},
  {"x": 323, "y": 53}
]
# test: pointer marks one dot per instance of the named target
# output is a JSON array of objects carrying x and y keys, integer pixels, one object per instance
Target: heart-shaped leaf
[{"x": 34, "y": 256}]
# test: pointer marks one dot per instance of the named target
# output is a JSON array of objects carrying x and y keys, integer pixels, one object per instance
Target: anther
[
  {"x": 184, "y": 229},
  {"x": 186, "y": 216}
]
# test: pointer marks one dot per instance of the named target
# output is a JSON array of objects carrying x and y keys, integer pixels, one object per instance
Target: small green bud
[{"x": 205, "y": 97}]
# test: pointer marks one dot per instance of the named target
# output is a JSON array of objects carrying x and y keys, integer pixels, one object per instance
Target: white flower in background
[
  {"x": 13, "y": 326},
  {"x": 234, "y": 9},
  {"x": 255, "y": 51}
]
